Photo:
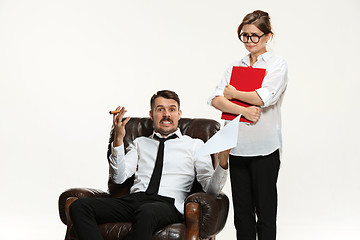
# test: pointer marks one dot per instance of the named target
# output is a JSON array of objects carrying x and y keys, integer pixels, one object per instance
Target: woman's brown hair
[{"x": 260, "y": 19}]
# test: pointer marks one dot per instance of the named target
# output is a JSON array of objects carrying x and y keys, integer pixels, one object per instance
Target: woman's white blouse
[{"x": 264, "y": 137}]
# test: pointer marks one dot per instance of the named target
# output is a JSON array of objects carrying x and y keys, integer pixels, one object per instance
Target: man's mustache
[{"x": 166, "y": 119}]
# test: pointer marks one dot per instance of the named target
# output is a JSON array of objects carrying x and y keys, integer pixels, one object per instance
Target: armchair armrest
[
  {"x": 77, "y": 193},
  {"x": 212, "y": 212}
]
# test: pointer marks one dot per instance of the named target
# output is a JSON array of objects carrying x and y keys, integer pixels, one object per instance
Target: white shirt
[
  {"x": 180, "y": 167},
  {"x": 264, "y": 137}
]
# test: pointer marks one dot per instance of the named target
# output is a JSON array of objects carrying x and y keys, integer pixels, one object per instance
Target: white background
[{"x": 65, "y": 64}]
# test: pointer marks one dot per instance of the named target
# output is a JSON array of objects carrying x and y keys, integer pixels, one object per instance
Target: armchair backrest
[{"x": 194, "y": 127}]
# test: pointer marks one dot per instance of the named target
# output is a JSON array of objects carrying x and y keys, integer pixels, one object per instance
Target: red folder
[{"x": 244, "y": 79}]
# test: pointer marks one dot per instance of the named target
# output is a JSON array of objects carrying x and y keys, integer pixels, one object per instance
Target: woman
[{"x": 254, "y": 162}]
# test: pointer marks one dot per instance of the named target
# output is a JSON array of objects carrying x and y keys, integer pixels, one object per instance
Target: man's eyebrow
[{"x": 159, "y": 106}]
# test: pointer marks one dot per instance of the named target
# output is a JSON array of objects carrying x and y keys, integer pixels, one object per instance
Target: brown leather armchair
[{"x": 205, "y": 214}]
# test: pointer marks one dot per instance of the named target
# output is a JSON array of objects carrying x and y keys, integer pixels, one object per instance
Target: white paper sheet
[{"x": 224, "y": 139}]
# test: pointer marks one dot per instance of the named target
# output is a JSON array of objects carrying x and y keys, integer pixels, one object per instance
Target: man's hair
[{"x": 165, "y": 94}]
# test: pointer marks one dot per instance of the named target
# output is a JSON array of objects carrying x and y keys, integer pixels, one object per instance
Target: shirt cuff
[
  {"x": 220, "y": 171},
  {"x": 220, "y": 175},
  {"x": 265, "y": 95},
  {"x": 215, "y": 94},
  {"x": 117, "y": 151}
]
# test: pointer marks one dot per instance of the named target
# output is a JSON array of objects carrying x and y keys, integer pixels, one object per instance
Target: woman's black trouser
[{"x": 254, "y": 193}]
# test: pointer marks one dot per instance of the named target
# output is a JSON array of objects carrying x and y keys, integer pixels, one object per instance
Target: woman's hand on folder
[
  {"x": 252, "y": 113},
  {"x": 229, "y": 92}
]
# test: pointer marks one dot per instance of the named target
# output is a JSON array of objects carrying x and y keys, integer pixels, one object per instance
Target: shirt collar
[
  {"x": 263, "y": 57},
  {"x": 177, "y": 132}
]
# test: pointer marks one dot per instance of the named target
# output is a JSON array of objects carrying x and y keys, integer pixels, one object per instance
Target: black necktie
[{"x": 156, "y": 175}]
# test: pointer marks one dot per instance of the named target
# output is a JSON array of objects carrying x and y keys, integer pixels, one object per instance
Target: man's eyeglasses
[{"x": 244, "y": 37}]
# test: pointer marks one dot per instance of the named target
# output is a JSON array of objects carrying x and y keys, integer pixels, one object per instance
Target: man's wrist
[
  {"x": 118, "y": 142},
  {"x": 224, "y": 165}
]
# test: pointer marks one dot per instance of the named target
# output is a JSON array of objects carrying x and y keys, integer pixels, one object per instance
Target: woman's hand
[
  {"x": 229, "y": 92},
  {"x": 252, "y": 113},
  {"x": 119, "y": 126}
]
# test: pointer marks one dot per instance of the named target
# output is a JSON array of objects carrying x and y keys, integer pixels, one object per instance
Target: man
[{"x": 157, "y": 197}]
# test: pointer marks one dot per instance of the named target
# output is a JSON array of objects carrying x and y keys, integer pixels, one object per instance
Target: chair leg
[
  {"x": 192, "y": 220},
  {"x": 68, "y": 202}
]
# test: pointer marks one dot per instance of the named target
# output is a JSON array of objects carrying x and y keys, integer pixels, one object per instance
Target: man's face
[{"x": 165, "y": 115}]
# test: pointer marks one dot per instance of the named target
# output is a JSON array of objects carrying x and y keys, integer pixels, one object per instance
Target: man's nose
[{"x": 166, "y": 113}]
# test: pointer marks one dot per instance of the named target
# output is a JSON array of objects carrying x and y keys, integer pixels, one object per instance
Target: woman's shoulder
[
  {"x": 276, "y": 58},
  {"x": 276, "y": 61}
]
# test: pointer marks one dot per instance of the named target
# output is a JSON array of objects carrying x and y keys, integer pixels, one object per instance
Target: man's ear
[
  {"x": 151, "y": 115},
  {"x": 180, "y": 113}
]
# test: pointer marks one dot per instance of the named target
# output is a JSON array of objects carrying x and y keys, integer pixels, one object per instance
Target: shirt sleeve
[
  {"x": 122, "y": 166},
  {"x": 211, "y": 181},
  {"x": 274, "y": 83},
  {"x": 217, "y": 181},
  {"x": 219, "y": 90}
]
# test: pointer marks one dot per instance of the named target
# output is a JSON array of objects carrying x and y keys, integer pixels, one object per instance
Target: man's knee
[
  {"x": 156, "y": 213},
  {"x": 79, "y": 206}
]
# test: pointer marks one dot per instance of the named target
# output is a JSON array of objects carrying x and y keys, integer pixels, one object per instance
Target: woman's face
[{"x": 258, "y": 48}]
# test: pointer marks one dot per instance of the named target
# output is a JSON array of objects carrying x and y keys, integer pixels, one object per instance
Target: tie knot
[{"x": 165, "y": 139}]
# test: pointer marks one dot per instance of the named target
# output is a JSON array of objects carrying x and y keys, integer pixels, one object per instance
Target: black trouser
[
  {"x": 254, "y": 193},
  {"x": 146, "y": 212}
]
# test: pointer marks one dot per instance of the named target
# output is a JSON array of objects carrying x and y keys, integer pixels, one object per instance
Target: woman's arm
[
  {"x": 252, "y": 98},
  {"x": 274, "y": 83},
  {"x": 251, "y": 113}
]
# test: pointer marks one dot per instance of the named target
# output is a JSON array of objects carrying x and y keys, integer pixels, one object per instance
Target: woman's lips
[{"x": 251, "y": 46}]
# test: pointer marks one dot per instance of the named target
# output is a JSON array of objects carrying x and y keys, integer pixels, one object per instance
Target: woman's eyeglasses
[{"x": 244, "y": 37}]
